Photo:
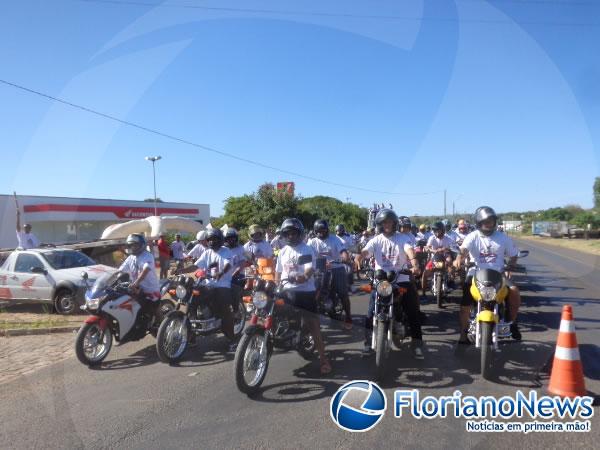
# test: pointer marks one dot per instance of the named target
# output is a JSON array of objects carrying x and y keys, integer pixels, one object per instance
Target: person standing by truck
[{"x": 26, "y": 239}]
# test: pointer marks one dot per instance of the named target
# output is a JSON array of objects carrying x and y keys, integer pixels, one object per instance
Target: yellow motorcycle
[{"x": 488, "y": 326}]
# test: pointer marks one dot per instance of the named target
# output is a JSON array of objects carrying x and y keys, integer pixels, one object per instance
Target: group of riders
[{"x": 390, "y": 246}]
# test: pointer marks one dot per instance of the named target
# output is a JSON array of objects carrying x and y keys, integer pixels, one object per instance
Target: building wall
[{"x": 66, "y": 220}]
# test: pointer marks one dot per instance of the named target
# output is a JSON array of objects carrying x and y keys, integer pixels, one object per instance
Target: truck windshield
[{"x": 67, "y": 259}]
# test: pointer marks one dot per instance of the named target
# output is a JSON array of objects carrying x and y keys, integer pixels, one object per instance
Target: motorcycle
[
  {"x": 488, "y": 326},
  {"x": 274, "y": 324},
  {"x": 328, "y": 301},
  {"x": 439, "y": 285},
  {"x": 115, "y": 312},
  {"x": 193, "y": 316},
  {"x": 388, "y": 331}
]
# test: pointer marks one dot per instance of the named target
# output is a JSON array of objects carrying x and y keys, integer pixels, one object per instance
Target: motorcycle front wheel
[
  {"x": 239, "y": 322},
  {"x": 439, "y": 296},
  {"x": 251, "y": 362},
  {"x": 172, "y": 338},
  {"x": 92, "y": 344},
  {"x": 486, "y": 349},
  {"x": 381, "y": 350}
]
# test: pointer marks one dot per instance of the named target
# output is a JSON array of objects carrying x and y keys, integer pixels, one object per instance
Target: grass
[{"x": 32, "y": 325}]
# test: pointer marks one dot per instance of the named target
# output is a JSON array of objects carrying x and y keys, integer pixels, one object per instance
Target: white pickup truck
[{"x": 48, "y": 275}]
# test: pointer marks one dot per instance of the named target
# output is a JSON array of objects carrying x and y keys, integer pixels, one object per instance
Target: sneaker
[
  {"x": 416, "y": 346},
  {"x": 515, "y": 332}
]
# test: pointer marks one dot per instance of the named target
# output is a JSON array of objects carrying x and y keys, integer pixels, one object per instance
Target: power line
[
  {"x": 354, "y": 16},
  {"x": 206, "y": 148}
]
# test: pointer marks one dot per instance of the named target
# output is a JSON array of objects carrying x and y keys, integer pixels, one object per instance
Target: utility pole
[{"x": 444, "y": 202}]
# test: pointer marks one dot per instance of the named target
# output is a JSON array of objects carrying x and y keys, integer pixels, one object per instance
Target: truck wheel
[{"x": 65, "y": 302}]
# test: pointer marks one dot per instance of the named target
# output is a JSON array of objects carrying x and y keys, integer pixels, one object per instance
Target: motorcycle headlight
[
  {"x": 488, "y": 293},
  {"x": 384, "y": 289},
  {"x": 260, "y": 299},
  {"x": 439, "y": 264},
  {"x": 181, "y": 292},
  {"x": 91, "y": 303}
]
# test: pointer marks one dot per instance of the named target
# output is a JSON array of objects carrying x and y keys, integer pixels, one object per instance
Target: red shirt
[{"x": 164, "y": 251}]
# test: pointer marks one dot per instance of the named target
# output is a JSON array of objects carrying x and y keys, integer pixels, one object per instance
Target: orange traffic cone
[{"x": 567, "y": 372}]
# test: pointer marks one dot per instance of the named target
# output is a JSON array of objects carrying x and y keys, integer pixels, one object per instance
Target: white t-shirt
[
  {"x": 135, "y": 264},
  {"x": 390, "y": 252},
  {"x": 348, "y": 242},
  {"x": 238, "y": 256},
  {"x": 277, "y": 243},
  {"x": 178, "y": 249},
  {"x": 460, "y": 236},
  {"x": 219, "y": 259},
  {"x": 329, "y": 248},
  {"x": 488, "y": 252},
  {"x": 27, "y": 240},
  {"x": 411, "y": 238},
  {"x": 444, "y": 242},
  {"x": 260, "y": 249},
  {"x": 196, "y": 251},
  {"x": 287, "y": 265}
]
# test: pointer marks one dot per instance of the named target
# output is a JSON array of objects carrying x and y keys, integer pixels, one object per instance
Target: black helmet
[
  {"x": 340, "y": 229},
  {"x": 214, "y": 238},
  {"x": 483, "y": 213},
  {"x": 321, "y": 228},
  {"x": 405, "y": 221},
  {"x": 383, "y": 215},
  {"x": 231, "y": 238},
  {"x": 135, "y": 244},
  {"x": 438, "y": 226},
  {"x": 292, "y": 225}
]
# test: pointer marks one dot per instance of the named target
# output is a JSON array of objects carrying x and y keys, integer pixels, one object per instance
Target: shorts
[
  {"x": 305, "y": 300},
  {"x": 164, "y": 263}
]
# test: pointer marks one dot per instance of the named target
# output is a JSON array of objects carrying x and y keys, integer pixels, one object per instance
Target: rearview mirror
[{"x": 39, "y": 270}]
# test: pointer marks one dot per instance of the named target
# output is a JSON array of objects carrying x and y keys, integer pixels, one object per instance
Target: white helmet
[{"x": 201, "y": 235}]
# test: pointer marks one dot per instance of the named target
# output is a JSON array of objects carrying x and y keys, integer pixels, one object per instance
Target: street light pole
[{"x": 154, "y": 159}]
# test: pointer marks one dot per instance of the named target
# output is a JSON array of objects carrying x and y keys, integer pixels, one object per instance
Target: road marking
[{"x": 193, "y": 374}]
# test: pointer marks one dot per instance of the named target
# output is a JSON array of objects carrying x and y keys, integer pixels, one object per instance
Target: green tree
[
  {"x": 334, "y": 211},
  {"x": 597, "y": 193}
]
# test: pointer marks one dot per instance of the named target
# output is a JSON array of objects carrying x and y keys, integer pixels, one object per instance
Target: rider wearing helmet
[
  {"x": 294, "y": 270},
  {"x": 140, "y": 267},
  {"x": 200, "y": 246},
  {"x": 238, "y": 262},
  {"x": 218, "y": 259},
  {"x": 257, "y": 246},
  {"x": 440, "y": 243},
  {"x": 347, "y": 239},
  {"x": 406, "y": 229},
  {"x": 487, "y": 248},
  {"x": 392, "y": 251},
  {"x": 333, "y": 249}
]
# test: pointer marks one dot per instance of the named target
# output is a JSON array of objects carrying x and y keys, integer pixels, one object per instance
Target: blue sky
[{"x": 496, "y": 101}]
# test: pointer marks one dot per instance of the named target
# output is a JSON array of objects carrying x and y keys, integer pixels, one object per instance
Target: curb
[{"x": 37, "y": 331}]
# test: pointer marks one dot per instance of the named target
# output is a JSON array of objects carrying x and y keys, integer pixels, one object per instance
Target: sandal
[{"x": 325, "y": 367}]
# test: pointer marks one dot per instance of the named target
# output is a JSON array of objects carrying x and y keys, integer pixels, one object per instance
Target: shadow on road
[
  {"x": 144, "y": 357},
  {"x": 297, "y": 391}
]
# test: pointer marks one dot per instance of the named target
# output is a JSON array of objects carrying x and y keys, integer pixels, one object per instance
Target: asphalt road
[{"x": 134, "y": 401}]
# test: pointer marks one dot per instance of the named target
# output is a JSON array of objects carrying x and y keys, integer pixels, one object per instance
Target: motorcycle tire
[
  {"x": 166, "y": 306},
  {"x": 439, "y": 295},
  {"x": 486, "y": 350},
  {"x": 80, "y": 340},
  {"x": 307, "y": 347},
  {"x": 238, "y": 366},
  {"x": 381, "y": 350},
  {"x": 239, "y": 328},
  {"x": 168, "y": 356}
]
